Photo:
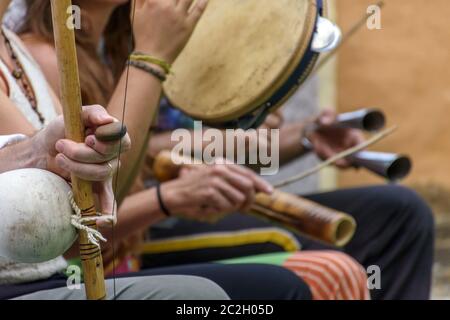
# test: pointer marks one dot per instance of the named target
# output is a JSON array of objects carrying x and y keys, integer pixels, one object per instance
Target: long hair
[{"x": 95, "y": 63}]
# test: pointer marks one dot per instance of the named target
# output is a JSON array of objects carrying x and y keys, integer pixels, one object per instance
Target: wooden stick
[
  {"x": 90, "y": 254},
  {"x": 288, "y": 210},
  {"x": 376, "y": 138},
  {"x": 350, "y": 33}
]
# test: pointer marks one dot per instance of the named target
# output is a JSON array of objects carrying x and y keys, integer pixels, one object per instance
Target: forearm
[
  {"x": 22, "y": 155},
  {"x": 290, "y": 146},
  {"x": 142, "y": 96},
  {"x": 163, "y": 141},
  {"x": 137, "y": 213},
  {"x": 160, "y": 142},
  {"x": 290, "y": 142}
]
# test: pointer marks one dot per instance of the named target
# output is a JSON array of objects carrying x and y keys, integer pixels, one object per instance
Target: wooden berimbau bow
[{"x": 90, "y": 254}]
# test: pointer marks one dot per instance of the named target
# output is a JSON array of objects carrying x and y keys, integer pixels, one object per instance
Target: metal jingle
[{"x": 327, "y": 36}]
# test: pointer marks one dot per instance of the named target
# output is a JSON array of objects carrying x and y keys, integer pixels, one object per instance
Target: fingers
[
  {"x": 89, "y": 172},
  {"x": 105, "y": 193},
  {"x": 274, "y": 120},
  {"x": 325, "y": 151},
  {"x": 343, "y": 163},
  {"x": 260, "y": 184},
  {"x": 322, "y": 149},
  {"x": 95, "y": 115},
  {"x": 236, "y": 197},
  {"x": 279, "y": 114},
  {"x": 354, "y": 137},
  {"x": 185, "y": 5},
  {"x": 92, "y": 151},
  {"x": 82, "y": 153},
  {"x": 92, "y": 160},
  {"x": 241, "y": 185},
  {"x": 109, "y": 149},
  {"x": 224, "y": 190},
  {"x": 197, "y": 11},
  {"x": 219, "y": 203},
  {"x": 239, "y": 181}
]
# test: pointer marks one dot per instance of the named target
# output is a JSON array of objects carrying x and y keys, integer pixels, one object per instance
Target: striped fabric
[{"x": 331, "y": 275}]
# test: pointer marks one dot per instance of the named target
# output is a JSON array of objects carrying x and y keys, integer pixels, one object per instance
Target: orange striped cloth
[{"x": 331, "y": 275}]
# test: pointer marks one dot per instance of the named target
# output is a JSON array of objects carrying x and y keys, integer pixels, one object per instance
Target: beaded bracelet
[
  {"x": 139, "y": 56},
  {"x": 145, "y": 67}
]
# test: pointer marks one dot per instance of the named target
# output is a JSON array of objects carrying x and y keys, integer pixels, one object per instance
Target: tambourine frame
[{"x": 295, "y": 72}]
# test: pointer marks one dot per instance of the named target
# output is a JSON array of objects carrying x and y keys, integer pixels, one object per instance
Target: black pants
[
  {"x": 240, "y": 282},
  {"x": 395, "y": 232},
  {"x": 244, "y": 281}
]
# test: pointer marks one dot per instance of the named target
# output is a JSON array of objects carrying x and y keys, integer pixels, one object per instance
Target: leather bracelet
[
  {"x": 150, "y": 70},
  {"x": 161, "y": 202}
]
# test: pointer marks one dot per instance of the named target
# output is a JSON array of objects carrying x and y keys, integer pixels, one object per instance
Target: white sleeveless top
[
  {"x": 12, "y": 272},
  {"x": 38, "y": 83}
]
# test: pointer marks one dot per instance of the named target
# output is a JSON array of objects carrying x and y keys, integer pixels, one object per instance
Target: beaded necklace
[{"x": 19, "y": 74}]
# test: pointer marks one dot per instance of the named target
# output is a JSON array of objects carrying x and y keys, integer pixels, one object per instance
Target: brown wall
[{"x": 405, "y": 70}]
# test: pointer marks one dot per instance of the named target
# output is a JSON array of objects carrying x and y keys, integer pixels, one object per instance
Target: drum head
[{"x": 241, "y": 53}]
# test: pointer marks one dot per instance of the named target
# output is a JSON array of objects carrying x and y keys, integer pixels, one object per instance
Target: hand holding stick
[
  {"x": 293, "y": 212},
  {"x": 90, "y": 254},
  {"x": 376, "y": 138}
]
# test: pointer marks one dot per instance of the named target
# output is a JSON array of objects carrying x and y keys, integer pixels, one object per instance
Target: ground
[{"x": 441, "y": 283}]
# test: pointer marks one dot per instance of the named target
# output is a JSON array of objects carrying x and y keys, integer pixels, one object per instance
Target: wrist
[
  {"x": 36, "y": 148},
  {"x": 155, "y": 210},
  {"x": 175, "y": 199},
  {"x": 22, "y": 152},
  {"x": 161, "y": 201},
  {"x": 138, "y": 56},
  {"x": 157, "y": 68},
  {"x": 307, "y": 131},
  {"x": 149, "y": 69}
]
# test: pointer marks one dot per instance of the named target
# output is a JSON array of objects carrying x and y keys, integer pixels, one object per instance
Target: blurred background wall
[{"x": 404, "y": 68}]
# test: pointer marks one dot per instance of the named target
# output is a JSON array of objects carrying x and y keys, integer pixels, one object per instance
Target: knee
[
  {"x": 352, "y": 279},
  {"x": 343, "y": 276},
  {"x": 410, "y": 207},
  {"x": 197, "y": 288},
  {"x": 298, "y": 288},
  {"x": 175, "y": 287},
  {"x": 283, "y": 283}
]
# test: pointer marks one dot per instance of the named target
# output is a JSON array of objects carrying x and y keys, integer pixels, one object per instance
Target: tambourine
[{"x": 247, "y": 57}]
